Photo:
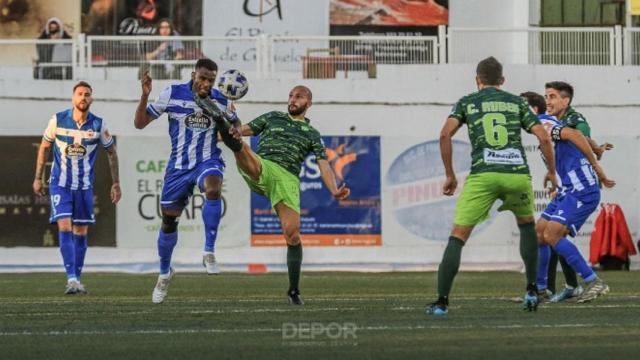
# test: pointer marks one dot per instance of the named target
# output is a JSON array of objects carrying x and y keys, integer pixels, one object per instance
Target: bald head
[{"x": 303, "y": 89}]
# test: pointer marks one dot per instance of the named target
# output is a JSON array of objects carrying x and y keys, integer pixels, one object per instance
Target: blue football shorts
[
  {"x": 178, "y": 184},
  {"x": 573, "y": 209},
  {"x": 74, "y": 204}
]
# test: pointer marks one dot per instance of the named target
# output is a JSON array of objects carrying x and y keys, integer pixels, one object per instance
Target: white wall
[
  {"x": 497, "y": 14},
  {"x": 403, "y": 104}
]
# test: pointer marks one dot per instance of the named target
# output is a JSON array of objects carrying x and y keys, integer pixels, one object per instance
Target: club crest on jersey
[
  {"x": 75, "y": 151},
  {"x": 197, "y": 121}
]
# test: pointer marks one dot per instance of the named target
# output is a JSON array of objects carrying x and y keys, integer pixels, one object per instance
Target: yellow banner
[{"x": 635, "y": 7}]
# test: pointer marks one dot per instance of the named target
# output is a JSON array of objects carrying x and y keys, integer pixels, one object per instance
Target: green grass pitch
[{"x": 346, "y": 315}]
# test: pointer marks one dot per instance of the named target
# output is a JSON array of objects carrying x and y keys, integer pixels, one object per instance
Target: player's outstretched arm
[
  {"x": 546, "y": 147},
  {"x": 41, "y": 160},
  {"x": 112, "y": 155},
  {"x": 599, "y": 149},
  {"x": 329, "y": 180},
  {"x": 585, "y": 146},
  {"x": 449, "y": 129},
  {"x": 143, "y": 118}
]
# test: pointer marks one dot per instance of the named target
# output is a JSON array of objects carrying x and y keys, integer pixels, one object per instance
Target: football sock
[
  {"x": 529, "y": 251},
  {"x": 544, "y": 254},
  {"x": 552, "y": 272},
  {"x": 569, "y": 251},
  {"x": 234, "y": 144},
  {"x": 294, "y": 263},
  {"x": 210, "y": 108},
  {"x": 81, "y": 251},
  {"x": 166, "y": 243},
  {"x": 570, "y": 276},
  {"x": 211, "y": 212},
  {"x": 68, "y": 251},
  {"x": 449, "y": 266}
]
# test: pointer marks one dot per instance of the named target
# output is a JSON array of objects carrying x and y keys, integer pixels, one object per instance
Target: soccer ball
[{"x": 233, "y": 84}]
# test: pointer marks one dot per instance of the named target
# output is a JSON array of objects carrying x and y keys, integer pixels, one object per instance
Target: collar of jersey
[{"x": 297, "y": 120}]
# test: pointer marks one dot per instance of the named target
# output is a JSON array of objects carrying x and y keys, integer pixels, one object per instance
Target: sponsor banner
[
  {"x": 24, "y": 217},
  {"x": 142, "y": 167},
  {"x": 415, "y": 210},
  {"x": 325, "y": 221},
  {"x": 387, "y": 17},
  {"x": 250, "y": 18}
]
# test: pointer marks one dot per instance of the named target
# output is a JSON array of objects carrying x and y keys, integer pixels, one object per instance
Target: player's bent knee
[
  {"x": 169, "y": 224},
  {"x": 461, "y": 232},
  {"x": 293, "y": 241},
  {"x": 212, "y": 194}
]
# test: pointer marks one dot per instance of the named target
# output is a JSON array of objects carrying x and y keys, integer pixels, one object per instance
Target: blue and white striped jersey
[
  {"x": 74, "y": 149},
  {"x": 193, "y": 134},
  {"x": 573, "y": 168}
]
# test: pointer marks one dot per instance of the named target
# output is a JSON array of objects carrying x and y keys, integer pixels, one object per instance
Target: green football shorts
[
  {"x": 482, "y": 190},
  {"x": 276, "y": 183}
]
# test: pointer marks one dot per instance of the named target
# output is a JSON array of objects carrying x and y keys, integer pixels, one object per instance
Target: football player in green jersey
[
  {"x": 286, "y": 138},
  {"x": 499, "y": 170}
]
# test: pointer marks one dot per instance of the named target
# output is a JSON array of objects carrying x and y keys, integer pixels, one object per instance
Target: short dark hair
[
  {"x": 565, "y": 89},
  {"x": 535, "y": 100},
  {"x": 82, "y": 84},
  {"x": 207, "y": 64},
  {"x": 489, "y": 71}
]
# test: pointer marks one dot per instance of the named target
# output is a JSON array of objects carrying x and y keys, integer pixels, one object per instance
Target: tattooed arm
[
  {"x": 41, "y": 160},
  {"x": 116, "y": 193}
]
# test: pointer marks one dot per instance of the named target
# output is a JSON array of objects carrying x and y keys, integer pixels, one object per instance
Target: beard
[
  {"x": 83, "y": 107},
  {"x": 295, "y": 110}
]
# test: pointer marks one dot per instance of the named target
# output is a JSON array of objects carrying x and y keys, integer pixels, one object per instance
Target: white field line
[
  {"x": 179, "y": 300},
  {"x": 293, "y": 310},
  {"x": 280, "y": 330}
]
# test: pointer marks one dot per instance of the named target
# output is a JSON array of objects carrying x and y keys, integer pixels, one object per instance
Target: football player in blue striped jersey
[
  {"x": 74, "y": 134},
  {"x": 195, "y": 159}
]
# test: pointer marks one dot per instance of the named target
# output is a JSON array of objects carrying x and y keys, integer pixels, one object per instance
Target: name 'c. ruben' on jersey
[
  {"x": 193, "y": 134},
  {"x": 494, "y": 119},
  {"x": 573, "y": 168},
  {"x": 74, "y": 149}
]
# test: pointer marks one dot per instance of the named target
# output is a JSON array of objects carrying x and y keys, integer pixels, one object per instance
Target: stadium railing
[
  {"x": 333, "y": 56},
  {"x": 38, "y": 59},
  {"x": 533, "y": 45},
  {"x": 265, "y": 56},
  {"x": 632, "y": 46}
]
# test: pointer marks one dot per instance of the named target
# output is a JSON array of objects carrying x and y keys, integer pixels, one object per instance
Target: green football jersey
[
  {"x": 575, "y": 120},
  {"x": 286, "y": 141},
  {"x": 494, "y": 119}
]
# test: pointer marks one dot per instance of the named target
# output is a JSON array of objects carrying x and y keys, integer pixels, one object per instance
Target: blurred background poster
[
  {"x": 139, "y": 17},
  {"x": 388, "y": 17},
  {"x": 26, "y": 19}
]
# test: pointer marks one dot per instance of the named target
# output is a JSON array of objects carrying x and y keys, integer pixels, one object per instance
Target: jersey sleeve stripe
[{"x": 153, "y": 112}]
